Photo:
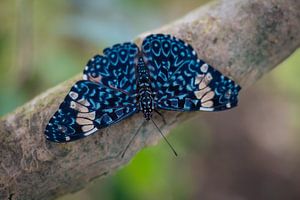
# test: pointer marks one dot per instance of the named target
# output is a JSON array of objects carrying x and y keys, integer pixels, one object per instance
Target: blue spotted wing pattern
[
  {"x": 165, "y": 74},
  {"x": 106, "y": 96},
  {"x": 87, "y": 108},
  {"x": 115, "y": 69},
  {"x": 182, "y": 82}
]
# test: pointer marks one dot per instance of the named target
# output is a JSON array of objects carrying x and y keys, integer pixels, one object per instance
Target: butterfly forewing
[
  {"x": 115, "y": 69},
  {"x": 165, "y": 56}
]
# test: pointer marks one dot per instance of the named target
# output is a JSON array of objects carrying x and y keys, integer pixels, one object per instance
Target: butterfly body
[
  {"x": 145, "y": 95},
  {"x": 165, "y": 73}
]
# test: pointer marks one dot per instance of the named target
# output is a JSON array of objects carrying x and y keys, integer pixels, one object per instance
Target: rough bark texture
[{"x": 243, "y": 39}]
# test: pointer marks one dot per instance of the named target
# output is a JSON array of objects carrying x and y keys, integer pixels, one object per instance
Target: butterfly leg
[
  {"x": 137, "y": 131},
  {"x": 161, "y": 115}
]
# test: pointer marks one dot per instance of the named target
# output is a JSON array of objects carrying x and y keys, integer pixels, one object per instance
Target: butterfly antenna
[
  {"x": 175, "y": 153},
  {"x": 137, "y": 131},
  {"x": 161, "y": 115}
]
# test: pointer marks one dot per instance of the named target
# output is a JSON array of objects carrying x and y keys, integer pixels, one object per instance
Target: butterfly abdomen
[{"x": 146, "y": 104}]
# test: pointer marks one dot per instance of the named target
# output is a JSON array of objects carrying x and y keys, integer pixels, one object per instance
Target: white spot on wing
[
  {"x": 204, "y": 68},
  {"x": 199, "y": 78},
  {"x": 87, "y": 128},
  {"x": 73, "y": 95},
  {"x": 67, "y": 138},
  {"x": 209, "y": 77},
  {"x": 90, "y": 115},
  {"x": 76, "y": 106},
  {"x": 206, "y": 109},
  {"x": 85, "y": 77},
  {"x": 90, "y": 132},
  {"x": 199, "y": 94},
  {"x": 207, "y": 96},
  {"x": 84, "y": 102},
  {"x": 205, "y": 81},
  {"x": 83, "y": 121},
  {"x": 207, "y": 104}
]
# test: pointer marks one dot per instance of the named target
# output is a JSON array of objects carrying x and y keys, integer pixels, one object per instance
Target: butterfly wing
[
  {"x": 88, "y": 107},
  {"x": 181, "y": 81},
  {"x": 115, "y": 69}
]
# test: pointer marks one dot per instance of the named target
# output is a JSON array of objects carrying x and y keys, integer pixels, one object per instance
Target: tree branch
[{"x": 243, "y": 39}]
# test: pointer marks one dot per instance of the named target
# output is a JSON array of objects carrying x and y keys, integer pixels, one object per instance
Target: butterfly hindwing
[
  {"x": 88, "y": 107},
  {"x": 115, "y": 69},
  {"x": 208, "y": 91},
  {"x": 181, "y": 81}
]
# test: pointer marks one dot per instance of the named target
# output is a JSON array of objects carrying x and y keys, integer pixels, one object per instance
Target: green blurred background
[{"x": 251, "y": 152}]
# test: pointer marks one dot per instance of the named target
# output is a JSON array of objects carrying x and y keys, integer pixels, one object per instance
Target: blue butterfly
[{"x": 165, "y": 74}]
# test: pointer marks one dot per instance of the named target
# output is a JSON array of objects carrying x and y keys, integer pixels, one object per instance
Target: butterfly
[{"x": 164, "y": 74}]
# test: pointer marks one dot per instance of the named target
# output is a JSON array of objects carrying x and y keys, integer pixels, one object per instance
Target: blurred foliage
[
  {"x": 154, "y": 172},
  {"x": 43, "y": 43}
]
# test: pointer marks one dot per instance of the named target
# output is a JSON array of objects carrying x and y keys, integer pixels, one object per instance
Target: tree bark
[{"x": 244, "y": 39}]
